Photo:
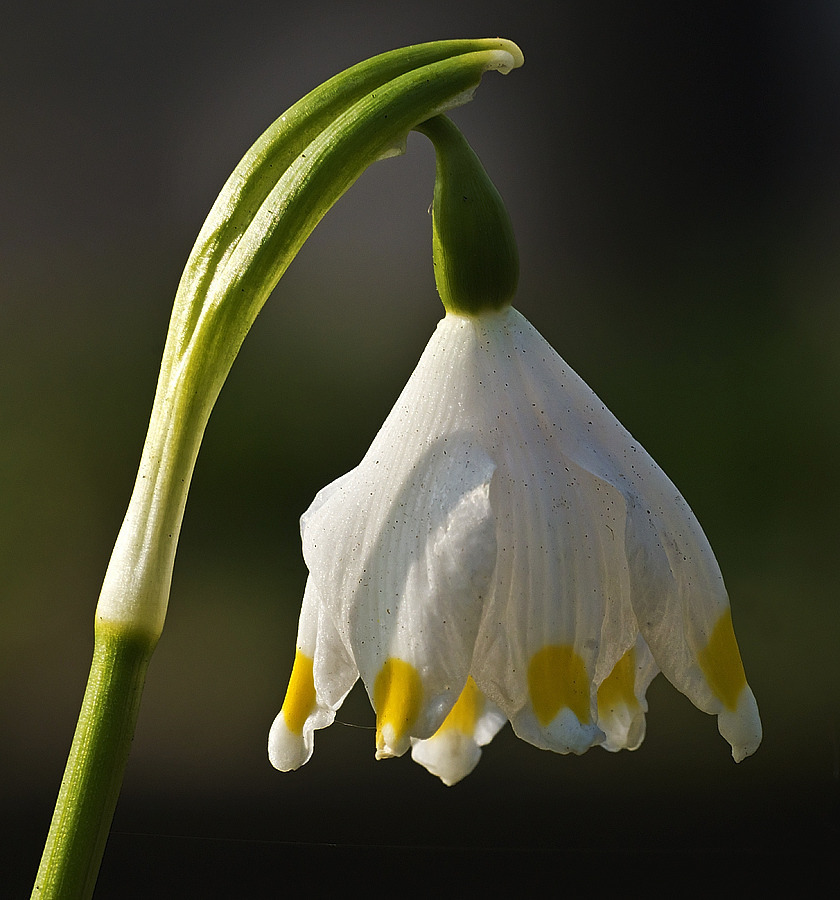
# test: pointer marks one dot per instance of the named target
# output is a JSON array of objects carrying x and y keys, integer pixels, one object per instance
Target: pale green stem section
[{"x": 269, "y": 206}]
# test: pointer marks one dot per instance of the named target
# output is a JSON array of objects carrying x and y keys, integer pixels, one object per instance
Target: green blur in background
[{"x": 673, "y": 175}]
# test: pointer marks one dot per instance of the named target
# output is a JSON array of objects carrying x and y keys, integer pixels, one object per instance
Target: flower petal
[
  {"x": 670, "y": 574},
  {"x": 684, "y": 614},
  {"x": 322, "y": 676},
  {"x": 403, "y": 550},
  {"x": 561, "y": 572}
]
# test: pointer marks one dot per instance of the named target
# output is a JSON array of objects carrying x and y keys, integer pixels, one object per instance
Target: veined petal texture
[{"x": 507, "y": 542}]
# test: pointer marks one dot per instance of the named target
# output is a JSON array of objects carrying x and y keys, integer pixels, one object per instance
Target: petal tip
[
  {"x": 450, "y": 755},
  {"x": 741, "y": 726},
  {"x": 390, "y": 742},
  {"x": 565, "y": 733},
  {"x": 287, "y": 750},
  {"x": 624, "y": 728}
]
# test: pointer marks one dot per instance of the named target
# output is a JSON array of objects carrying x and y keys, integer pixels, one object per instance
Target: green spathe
[{"x": 473, "y": 244}]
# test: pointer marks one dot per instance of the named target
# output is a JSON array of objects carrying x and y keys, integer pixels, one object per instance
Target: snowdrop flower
[{"x": 505, "y": 551}]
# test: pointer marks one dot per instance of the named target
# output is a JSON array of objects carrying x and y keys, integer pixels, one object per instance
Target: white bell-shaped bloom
[{"x": 506, "y": 551}]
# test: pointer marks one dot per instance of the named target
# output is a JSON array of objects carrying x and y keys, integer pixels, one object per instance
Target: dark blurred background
[{"x": 673, "y": 175}]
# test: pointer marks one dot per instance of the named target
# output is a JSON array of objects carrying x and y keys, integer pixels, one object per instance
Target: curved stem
[
  {"x": 269, "y": 206},
  {"x": 271, "y": 203}
]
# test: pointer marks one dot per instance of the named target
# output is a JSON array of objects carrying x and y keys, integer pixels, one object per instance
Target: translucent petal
[
  {"x": 682, "y": 606},
  {"x": 403, "y": 551},
  {"x": 561, "y": 577},
  {"x": 621, "y": 698},
  {"x": 658, "y": 574}
]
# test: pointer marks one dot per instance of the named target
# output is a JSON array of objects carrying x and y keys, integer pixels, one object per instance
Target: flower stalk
[
  {"x": 473, "y": 244},
  {"x": 271, "y": 203}
]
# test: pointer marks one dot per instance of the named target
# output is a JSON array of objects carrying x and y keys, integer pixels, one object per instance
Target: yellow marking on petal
[
  {"x": 466, "y": 712},
  {"x": 721, "y": 663},
  {"x": 618, "y": 688},
  {"x": 300, "y": 694},
  {"x": 557, "y": 678},
  {"x": 397, "y": 696}
]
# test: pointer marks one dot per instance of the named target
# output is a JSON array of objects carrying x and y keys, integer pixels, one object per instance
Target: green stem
[
  {"x": 275, "y": 197},
  {"x": 94, "y": 772}
]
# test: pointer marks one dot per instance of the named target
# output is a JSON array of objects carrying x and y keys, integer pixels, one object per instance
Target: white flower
[{"x": 506, "y": 551}]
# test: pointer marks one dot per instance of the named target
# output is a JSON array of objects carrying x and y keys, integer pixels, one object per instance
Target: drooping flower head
[{"x": 505, "y": 551}]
